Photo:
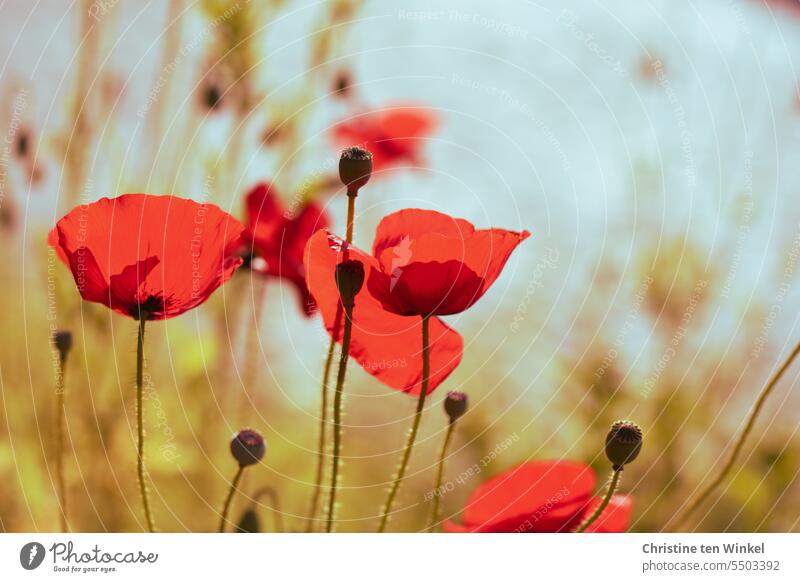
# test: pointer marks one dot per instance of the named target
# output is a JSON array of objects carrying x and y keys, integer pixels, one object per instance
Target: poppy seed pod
[
  {"x": 248, "y": 447},
  {"x": 623, "y": 443},
  {"x": 63, "y": 341},
  {"x": 349, "y": 280},
  {"x": 455, "y": 405},
  {"x": 355, "y": 168}
]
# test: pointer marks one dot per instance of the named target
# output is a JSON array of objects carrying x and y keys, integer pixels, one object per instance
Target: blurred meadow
[{"x": 651, "y": 148}]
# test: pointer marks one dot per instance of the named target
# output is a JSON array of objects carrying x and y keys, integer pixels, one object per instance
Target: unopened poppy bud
[
  {"x": 455, "y": 405},
  {"x": 63, "y": 342},
  {"x": 623, "y": 443},
  {"x": 249, "y": 522},
  {"x": 349, "y": 280},
  {"x": 248, "y": 447},
  {"x": 355, "y": 168}
]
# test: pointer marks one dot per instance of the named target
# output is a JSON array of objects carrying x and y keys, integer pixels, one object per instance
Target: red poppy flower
[
  {"x": 541, "y": 497},
  {"x": 384, "y": 344},
  {"x": 154, "y": 255},
  {"x": 395, "y": 135},
  {"x": 280, "y": 240},
  {"x": 432, "y": 264}
]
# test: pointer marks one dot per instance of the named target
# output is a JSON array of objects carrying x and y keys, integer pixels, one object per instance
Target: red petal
[
  {"x": 436, "y": 264},
  {"x": 535, "y": 496},
  {"x": 192, "y": 245},
  {"x": 280, "y": 240},
  {"x": 386, "y": 345}
]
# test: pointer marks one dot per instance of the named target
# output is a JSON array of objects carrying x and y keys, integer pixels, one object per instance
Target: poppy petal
[
  {"x": 535, "y": 496},
  {"x": 386, "y": 345}
]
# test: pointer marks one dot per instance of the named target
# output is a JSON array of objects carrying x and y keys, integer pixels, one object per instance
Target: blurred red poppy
[
  {"x": 144, "y": 255},
  {"x": 433, "y": 264},
  {"x": 386, "y": 345},
  {"x": 279, "y": 239},
  {"x": 395, "y": 135},
  {"x": 541, "y": 497}
]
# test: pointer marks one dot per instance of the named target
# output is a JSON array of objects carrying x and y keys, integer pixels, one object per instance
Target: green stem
[
  {"x": 337, "y": 413},
  {"x": 326, "y": 378},
  {"x": 737, "y": 449},
  {"x": 227, "y": 505},
  {"x": 140, "y": 471},
  {"x": 323, "y": 422},
  {"x": 612, "y": 488},
  {"x": 434, "y": 519},
  {"x": 412, "y": 435},
  {"x": 61, "y": 423}
]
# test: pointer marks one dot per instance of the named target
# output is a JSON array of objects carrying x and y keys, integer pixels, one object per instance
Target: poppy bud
[
  {"x": 355, "y": 168},
  {"x": 63, "y": 342},
  {"x": 248, "y": 447},
  {"x": 249, "y": 522},
  {"x": 455, "y": 405},
  {"x": 349, "y": 280},
  {"x": 623, "y": 443}
]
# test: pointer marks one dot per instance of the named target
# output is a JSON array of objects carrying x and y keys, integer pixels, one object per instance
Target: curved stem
[
  {"x": 277, "y": 514},
  {"x": 612, "y": 488},
  {"x": 412, "y": 435},
  {"x": 61, "y": 422},
  {"x": 227, "y": 506},
  {"x": 737, "y": 449},
  {"x": 434, "y": 519},
  {"x": 323, "y": 422},
  {"x": 337, "y": 413},
  {"x": 140, "y": 471}
]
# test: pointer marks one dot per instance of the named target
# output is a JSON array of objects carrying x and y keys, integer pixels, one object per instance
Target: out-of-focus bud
[
  {"x": 455, "y": 405},
  {"x": 63, "y": 342},
  {"x": 349, "y": 280},
  {"x": 249, "y": 522},
  {"x": 355, "y": 168},
  {"x": 623, "y": 443},
  {"x": 248, "y": 447}
]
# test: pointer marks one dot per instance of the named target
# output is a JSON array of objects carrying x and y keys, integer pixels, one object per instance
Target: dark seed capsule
[
  {"x": 248, "y": 447},
  {"x": 623, "y": 443}
]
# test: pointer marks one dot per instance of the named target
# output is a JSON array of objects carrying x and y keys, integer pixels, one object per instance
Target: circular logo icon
[{"x": 31, "y": 555}]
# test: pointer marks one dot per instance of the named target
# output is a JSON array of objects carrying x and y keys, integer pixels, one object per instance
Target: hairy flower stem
[
  {"x": 737, "y": 449},
  {"x": 337, "y": 413},
  {"x": 326, "y": 379},
  {"x": 412, "y": 435},
  {"x": 434, "y": 519},
  {"x": 61, "y": 425},
  {"x": 612, "y": 488},
  {"x": 140, "y": 471},
  {"x": 227, "y": 505}
]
